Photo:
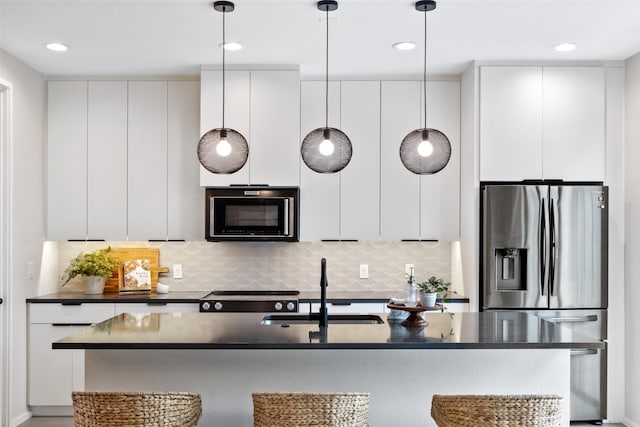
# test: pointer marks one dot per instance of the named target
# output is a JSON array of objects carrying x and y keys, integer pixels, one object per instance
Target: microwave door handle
[
  {"x": 542, "y": 246},
  {"x": 286, "y": 217},
  {"x": 552, "y": 246}
]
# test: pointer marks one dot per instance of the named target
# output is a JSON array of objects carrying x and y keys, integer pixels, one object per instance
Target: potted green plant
[
  {"x": 95, "y": 267},
  {"x": 430, "y": 289}
]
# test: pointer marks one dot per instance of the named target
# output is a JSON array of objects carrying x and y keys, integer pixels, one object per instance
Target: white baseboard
[
  {"x": 628, "y": 423},
  {"x": 20, "y": 419}
]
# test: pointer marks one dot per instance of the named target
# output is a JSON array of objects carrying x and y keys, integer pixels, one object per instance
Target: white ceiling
[{"x": 168, "y": 37}]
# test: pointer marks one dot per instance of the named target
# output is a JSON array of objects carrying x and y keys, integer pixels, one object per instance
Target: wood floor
[{"x": 68, "y": 422}]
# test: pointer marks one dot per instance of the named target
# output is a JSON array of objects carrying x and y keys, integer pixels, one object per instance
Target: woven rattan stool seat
[
  {"x": 488, "y": 410},
  {"x": 310, "y": 409},
  {"x": 135, "y": 409}
]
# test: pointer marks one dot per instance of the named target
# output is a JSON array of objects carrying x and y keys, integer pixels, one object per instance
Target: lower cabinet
[
  {"x": 54, "y": 374},
  {"x": 352, "y": 307}
]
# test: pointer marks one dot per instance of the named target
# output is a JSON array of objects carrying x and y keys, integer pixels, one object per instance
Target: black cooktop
[{"x": 256, "y": 293}]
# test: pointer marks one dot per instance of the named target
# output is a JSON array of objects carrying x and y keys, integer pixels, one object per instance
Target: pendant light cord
[
  {"x": 425, "y": 69},
  {"x": 326, "y": 75},
  {"x": 224, "y": 12}
]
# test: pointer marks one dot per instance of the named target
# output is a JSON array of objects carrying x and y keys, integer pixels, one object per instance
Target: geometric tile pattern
[{"x": 278, "y": 265}]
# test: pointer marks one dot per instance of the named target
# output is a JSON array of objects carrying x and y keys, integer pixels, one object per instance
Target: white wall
[
  {"x": 632, "y": 252},
  {"x": 28, "y": 215}
]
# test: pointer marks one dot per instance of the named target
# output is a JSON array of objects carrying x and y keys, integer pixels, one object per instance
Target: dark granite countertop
[
  {"x": 343, "y": 297},
  {"x": 68, "y": 297},
  {"x": 488, "y": 330},
  {"x": 340, "y": 297}
]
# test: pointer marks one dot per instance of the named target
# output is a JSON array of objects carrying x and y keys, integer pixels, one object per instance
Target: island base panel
[{"x": 401, "y": 382}]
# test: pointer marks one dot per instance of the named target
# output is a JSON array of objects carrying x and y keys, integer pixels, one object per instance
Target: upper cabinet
[
  {"x": 542, "y": 122},
  {"x": 343, "y": 205},
  {"x": 264, "y": 106},
  {"x": 375, "y": 197},
  {"x": 419, "y": 207},
  {"x": 122, "y": 162}
]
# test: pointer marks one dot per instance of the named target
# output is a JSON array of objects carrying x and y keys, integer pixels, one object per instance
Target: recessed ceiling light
[
  {"x": 231, "y": 46},
  {"x": 565, "y": 47},
  {"x": 57, "y": 47},
  {"x": 404, "y": 45}
]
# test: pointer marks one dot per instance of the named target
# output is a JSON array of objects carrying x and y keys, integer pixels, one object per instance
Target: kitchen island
[{"x": 226, "y": 356}]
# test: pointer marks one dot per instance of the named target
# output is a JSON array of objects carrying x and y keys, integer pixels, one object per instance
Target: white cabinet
[
  {"x": 157, "y": 307},
  {"x": 542, "y": 123},
  {"x": 147, "y": 160},
  {"x": 343, "y": 205},
  {"x": 573, "y": 117},
  {"x": 185, "y": 197},
  {"x": 54, "y": 374},
  {"x": 319, "y": 192},
  {"x": 440, "y": 192},
  {"x": 414, "y": 207},
  {"x": 359, "y": 188},
  {"x": 106, "y": 160},
  {"x": 236, "y": 116},
  {"x": 275, "y": 117},
  {"x": 122, "y": 162},
  {"x": 67, "y": 160},
  {"x": 399, "y": 188},
  {"x": 350, "y": 307},
  {"x": 264, "y": 106}
]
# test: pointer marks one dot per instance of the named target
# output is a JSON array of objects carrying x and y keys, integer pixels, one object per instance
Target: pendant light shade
[
  {"x": 223, "y": 150},
  {"x": 425, "y": 151},
  {"x": 325, "y": 149}
]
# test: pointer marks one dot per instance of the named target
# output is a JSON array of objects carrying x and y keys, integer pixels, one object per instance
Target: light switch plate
[
  {"x": 364, "y": 271},
  {"x": 177, "y": 271}
]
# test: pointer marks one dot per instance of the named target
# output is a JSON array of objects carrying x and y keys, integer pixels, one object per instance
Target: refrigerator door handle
[
  {"x": 542, "y": 247},
  {"x": 552, "y": 249},
  {"x": 586, "y": 352},
  {"x": 576, "y": 319}
]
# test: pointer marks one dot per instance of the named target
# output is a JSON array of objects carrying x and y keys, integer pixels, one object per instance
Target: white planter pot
[
  {"x": 428, "y": 299},
  {"x": 93, "y": 285}
]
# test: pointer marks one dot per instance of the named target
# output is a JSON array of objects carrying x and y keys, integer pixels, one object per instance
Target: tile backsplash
[{"x": 275, "y": 265}]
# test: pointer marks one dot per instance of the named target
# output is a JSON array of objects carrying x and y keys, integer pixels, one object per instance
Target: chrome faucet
[{"x": 322, "y": 315}]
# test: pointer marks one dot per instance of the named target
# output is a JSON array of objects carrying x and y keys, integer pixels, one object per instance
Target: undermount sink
[{"x": 302, "y": 318}]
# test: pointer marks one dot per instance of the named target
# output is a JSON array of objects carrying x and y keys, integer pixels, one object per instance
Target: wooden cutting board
[{"x": 116, "y": 281}]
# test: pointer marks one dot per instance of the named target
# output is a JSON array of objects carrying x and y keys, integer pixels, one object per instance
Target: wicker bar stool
[
  {"x": 492, "y": 410},
  {"x": 310, "y": 409},
  {"x": 135, "y": 409}
]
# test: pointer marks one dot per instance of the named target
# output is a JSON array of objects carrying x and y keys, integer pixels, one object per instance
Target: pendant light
[
  {"x": 223, "y": 150},
  {"x": 326, "y": 149},
  {"x": 425, "y": 151}
]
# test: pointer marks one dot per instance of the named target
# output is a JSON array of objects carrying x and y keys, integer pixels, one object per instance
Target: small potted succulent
[
  {"x": 430, "y": 289},
  {"x": 94, "y": 267}
]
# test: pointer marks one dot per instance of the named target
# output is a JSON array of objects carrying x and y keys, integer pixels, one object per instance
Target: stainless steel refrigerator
[{"x": 543, "y": 248}]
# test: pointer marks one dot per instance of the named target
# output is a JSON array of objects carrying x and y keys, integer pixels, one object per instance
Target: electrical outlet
[
  {"x": 30, "y": 270},
  {"x": 408, "y": 268},
  {"x": 177, "y": 271},
  {"x": 364, "y": 271}
]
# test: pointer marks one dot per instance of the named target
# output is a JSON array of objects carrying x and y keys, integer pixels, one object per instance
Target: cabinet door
[
  {"x": 185, "y": 196},
  {"x": 192, "y": 307},
  {"x": 574, "y": 130},
  {"x": 237, "y": 117},
  {"x": 399, "y": 188},
  {"x": 510, "y": 123},
  {"x": 107, "y": 160},
  {"x": 147, "y": 160},
  {"x": 440, "y": 193},
  {"x": 319, "y": 193},
  {"x": 67, "y": 160},
  {"x": 275, "y": 114},
  {"x": 360, "y": 180},
  {"x": 51, "y": 373}
]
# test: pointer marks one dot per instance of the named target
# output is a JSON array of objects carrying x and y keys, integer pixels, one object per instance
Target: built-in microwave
[{"x": 252, "y": 213}]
